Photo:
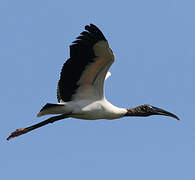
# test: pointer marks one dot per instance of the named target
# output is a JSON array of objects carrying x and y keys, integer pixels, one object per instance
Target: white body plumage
[{"x": 87, "y": 109}]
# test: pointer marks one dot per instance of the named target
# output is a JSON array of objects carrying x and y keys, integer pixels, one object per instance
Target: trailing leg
[{"x": 21, "y": 131}]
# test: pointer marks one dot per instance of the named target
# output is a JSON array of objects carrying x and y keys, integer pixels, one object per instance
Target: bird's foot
[{"x": 17, "y": 132}]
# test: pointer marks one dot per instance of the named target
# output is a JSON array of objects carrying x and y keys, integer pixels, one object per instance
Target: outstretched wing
[{"x": 83, "y": 74}]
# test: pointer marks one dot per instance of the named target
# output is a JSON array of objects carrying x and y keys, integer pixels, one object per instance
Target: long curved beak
[{"x": 159, "y": 111}]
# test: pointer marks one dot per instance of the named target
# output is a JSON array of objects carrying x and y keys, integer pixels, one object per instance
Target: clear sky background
[{"x": 154, "y": 46}]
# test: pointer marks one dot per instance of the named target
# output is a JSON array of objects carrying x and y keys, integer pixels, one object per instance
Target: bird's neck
[{"x": 137, "y": 111}]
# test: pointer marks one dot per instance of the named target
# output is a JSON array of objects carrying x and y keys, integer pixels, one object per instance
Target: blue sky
[{"x": 154, "y": 44}]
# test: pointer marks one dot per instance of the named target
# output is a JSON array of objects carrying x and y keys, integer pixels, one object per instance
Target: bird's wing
[{"x": 83, "y": 74}]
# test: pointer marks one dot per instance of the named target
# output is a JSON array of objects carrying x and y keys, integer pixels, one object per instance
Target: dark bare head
[{"x": 148, "y": 110}]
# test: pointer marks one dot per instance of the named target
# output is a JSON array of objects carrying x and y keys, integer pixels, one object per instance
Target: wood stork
[{"x": 80, "y": 90}]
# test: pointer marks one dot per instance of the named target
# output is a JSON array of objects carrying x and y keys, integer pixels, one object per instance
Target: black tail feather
[{"x": 49, "y": 105}]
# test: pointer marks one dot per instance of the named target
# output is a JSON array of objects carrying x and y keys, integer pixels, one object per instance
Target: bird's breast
[{"x": 97, "y": 110}]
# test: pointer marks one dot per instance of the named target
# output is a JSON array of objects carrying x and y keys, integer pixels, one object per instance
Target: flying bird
[{"x": 80, "y": 90}]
